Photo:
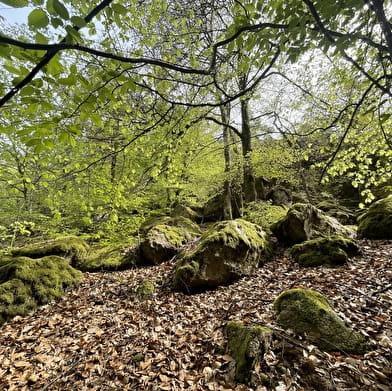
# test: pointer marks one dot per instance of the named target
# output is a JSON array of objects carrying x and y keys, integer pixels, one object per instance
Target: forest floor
[{"x": 103, "y": 337}]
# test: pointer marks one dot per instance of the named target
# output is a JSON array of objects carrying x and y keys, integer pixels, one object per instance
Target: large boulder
[
  {"x": 227, "y": 251},
  {"x": 304, "y": 222},
  {"x": 164, "y": 238},
  {"x": 213, "y": 209},
  {"x": 330, "y": 252},
  {"x": 263, "y": 213},
  {"x": 247, "y": 345},
  {"x": 110, "y": 258},
  {"x": 332, "y": 208},
  {"x": 376, "y": 222},
  {"x": 306, "y": 311},
  {"x": 72, "y": 248},
  {"x": 27, "y": 283},
  {"x": 280, "y": 195},
  {"x": 192, "y": 213}
]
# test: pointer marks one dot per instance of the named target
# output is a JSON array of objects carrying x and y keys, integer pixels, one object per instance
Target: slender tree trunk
[
  {"x": 249, "y": 184},
  {"x": 227, "y": 193}
]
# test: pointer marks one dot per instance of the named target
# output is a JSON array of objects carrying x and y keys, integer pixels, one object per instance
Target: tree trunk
[
  {"x": 249, "y": 184},
  {"x": 227, "y": 193}
]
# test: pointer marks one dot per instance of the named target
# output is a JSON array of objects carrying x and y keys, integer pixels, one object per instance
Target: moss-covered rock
[
  {"x": 341, "y": 213},
  {"x": 227, "y": 251},
  {"x": 165, "y": 237},
  {"x": 332, "y": 251},
  {"x": 376, "y": 222},
  {"x": 213, "y": 209},
  {"x": 191, "y": 213},
  {"x": 145, "y": 290},
  {"x": 72, "y": 248},
  {"x": 110, "y": 258},
  {"x": 263, "y": 213},
  {"x": 280, "y": 196},
  {"x": 306, "y": 311},
  {"x": 304, "y": 222},
  {"x": 27, "y": 283},
  {"x": 246, "y": 345}
]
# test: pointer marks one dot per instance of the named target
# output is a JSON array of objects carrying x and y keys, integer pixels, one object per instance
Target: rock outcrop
[
  {"x": 280, "y": 196},
  {"x": 227, "y": 251},
  {"x": 306, "y": 311},
  {"x": 110, "y": 258},
  {"x": 72, "y": 248},
  {"x": 330, "y": 252},
  {"x": 164, "y": 238},
  {"x": 333, "y": 209},
  {"x": 304, "y": 222},
  {"x": 247, "y": 345},
  {"x": 27, "y": 283},
  {"x": 376, "y": 222}
]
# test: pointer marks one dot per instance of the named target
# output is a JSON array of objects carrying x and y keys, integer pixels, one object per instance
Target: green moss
[
  {"x": 308, "y": 312},
  {"x": 145, "y": 290},
  {"x": 234, "y": 232},
  {"x": 15, "y": 299},
  {"x": 184, "y": 223},
  {"x": 246, "y": 345},
  {"x": 225, "y": 252},
  {"x": 326, "y": 205},
  {"x": 164, "y": 239},
  {"x": 184, "y": 272},
  {"x": 263, "y": 213},
  {"x": 332, "y": 251},
  {"x": 376, "y": 223},
  {"x": 176, "y": 236},
  {"x": 186, "y": 212},
  {"x": 71, "y": 247},
  {"x": 109, "y": 258},
  {"x": 26, "y": 283},
  {"x": 332, "y": 208},
  {"x": 138, "y": 357},
  {"x": 304, "y": 222}
]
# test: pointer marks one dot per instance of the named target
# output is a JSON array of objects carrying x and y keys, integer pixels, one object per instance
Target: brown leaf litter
[{"x": 103, "y": 337}]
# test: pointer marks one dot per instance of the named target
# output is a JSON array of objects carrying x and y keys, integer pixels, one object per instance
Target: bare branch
[{"x": 48, "y": 56}]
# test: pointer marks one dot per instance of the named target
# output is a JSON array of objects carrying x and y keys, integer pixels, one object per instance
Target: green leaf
[
  {"x": 5, "y": 50},
  {"x": 15, "y": 3},
  {"x": 72, "y": 35},
  {"x": 32, "y": 142},
  {"x": 78, "y": 21},
  {"x": 38, "y": 19},
  {"x": 40, "y": 38},
  {"x": 119, "y": 9},
  {"x": 60, "y": 9}
]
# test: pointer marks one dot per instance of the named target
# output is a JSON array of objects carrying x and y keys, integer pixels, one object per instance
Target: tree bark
[
  {"x": 227, "y": 193},
  {"x": 249, "y": 184}
]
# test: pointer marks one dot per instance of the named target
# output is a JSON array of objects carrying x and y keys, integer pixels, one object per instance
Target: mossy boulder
[
  {"x": 306, "y": 311},
  {"x": 165, "y": 237},
  {"x": 145, "y": 290},
  {"x": 110, "y": 258},
  {"x": 341, "y": 213},
  {"x": 330, "y": 252},
  {"x": 376, "y": 222},
  {"x": 72, "y": 248},
  {"x": 27, "y": 283},
  {"x": 213, "y": 209},
  {"x": 247, "y": 345},
  {"x": 227, "y": 251},
  {"x": 263, "y": 213},
  {"x": 191, "y": 213},
  {"x": 280, "y": 195},
  {"x": 304, "y": 222}
]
